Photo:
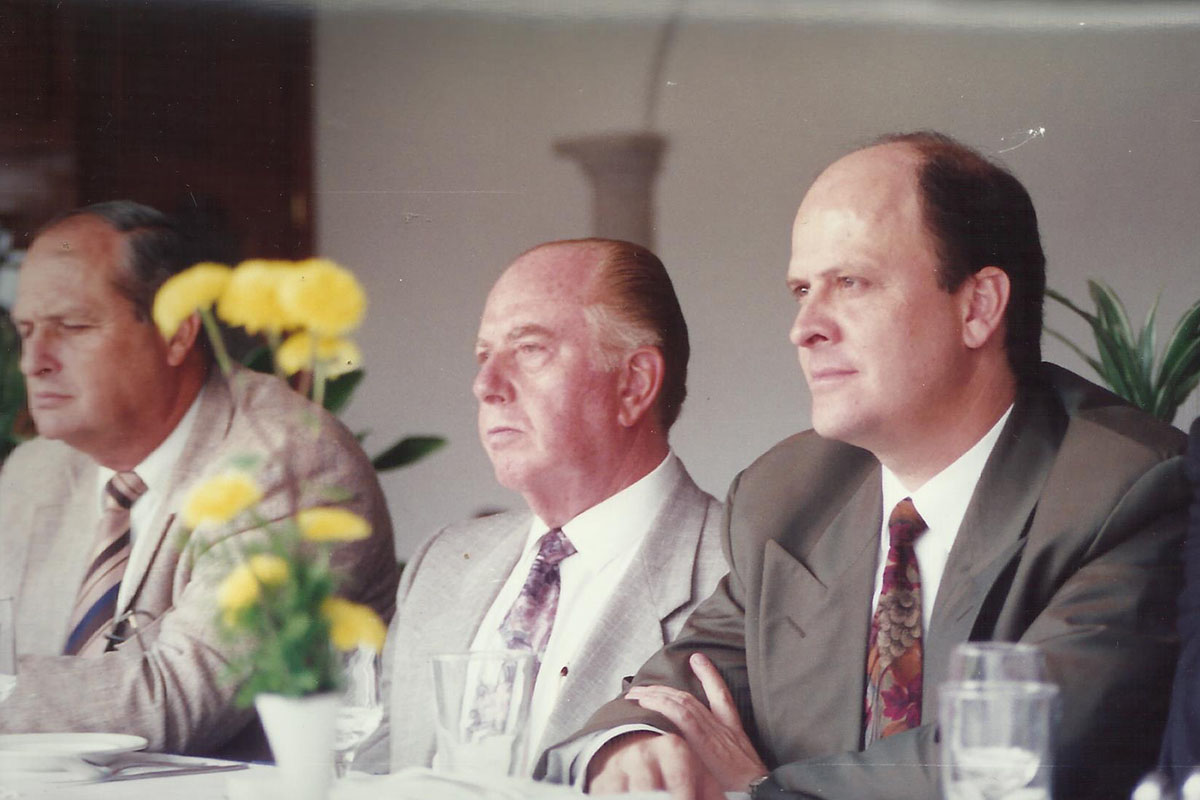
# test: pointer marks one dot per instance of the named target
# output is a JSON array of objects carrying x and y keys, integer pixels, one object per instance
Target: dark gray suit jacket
[{"x": 1071, "y": 542}]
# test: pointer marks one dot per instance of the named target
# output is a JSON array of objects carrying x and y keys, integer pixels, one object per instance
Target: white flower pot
[{"x": 300, "y": 731}]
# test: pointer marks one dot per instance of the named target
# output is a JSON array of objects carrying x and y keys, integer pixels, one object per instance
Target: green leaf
[
  {"x": 1061, "y": 298},
  {"x": 1145, "y": 342},
  {"x": 1185, "y": 332},
  {"x": 259, "y": 359},
  {"x": 407, "y": 451},
  {"x": 339, "y": 390},
  {"x": 1111, "y": 313}
]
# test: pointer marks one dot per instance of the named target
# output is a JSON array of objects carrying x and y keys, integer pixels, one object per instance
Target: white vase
[{"x": 300, "y": 731}]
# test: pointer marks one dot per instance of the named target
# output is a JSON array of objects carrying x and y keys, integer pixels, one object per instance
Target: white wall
[{"x": 435, "y": 168}]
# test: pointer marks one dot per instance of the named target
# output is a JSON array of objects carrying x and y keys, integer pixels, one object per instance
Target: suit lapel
[
  {"x": 813, "y": 640},
  {"x": 630, "y": 626},
  {"x": 992, "y": 532},
  {"x": 213, "y": 419},
  {"x": 56, "y": 563}
]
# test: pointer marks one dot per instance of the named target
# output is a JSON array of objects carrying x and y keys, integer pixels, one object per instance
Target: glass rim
[{"x": 976, "y": 688}]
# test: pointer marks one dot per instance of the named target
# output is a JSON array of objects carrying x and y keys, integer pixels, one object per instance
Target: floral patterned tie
[
  {"x": 893, "y": 698},
  {"x": 528, "y": 624}
]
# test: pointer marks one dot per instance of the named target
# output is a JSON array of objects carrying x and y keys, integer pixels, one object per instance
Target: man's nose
[
  {"x": 813, "y": 323},
  {"x": 37, "y": 355},
  {"x": 491, "y": 384}
]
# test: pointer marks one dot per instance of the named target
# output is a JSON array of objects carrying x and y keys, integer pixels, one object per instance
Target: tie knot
[
  {"x": 554, "y": 546},
  {"x": 905, "y": 524},
  {"x": 122, "y": 490}
]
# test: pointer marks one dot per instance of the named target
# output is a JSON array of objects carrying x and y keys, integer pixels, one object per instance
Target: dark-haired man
[
  {"x": 954, "y": 489},
  {"x": 115, "y": 611},
  {"x": 582, "y": 358}
]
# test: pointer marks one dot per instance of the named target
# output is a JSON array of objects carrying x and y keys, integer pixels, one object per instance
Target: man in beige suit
[
  {"x": 109, "y": 395},
  {"x": 582, "y": 354},
  {"x": 1029, "y": 505}
]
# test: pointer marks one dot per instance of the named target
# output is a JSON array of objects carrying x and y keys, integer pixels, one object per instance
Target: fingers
[
  {"x": 720, "y": 700},
  {"x": 651, "y": 762}
]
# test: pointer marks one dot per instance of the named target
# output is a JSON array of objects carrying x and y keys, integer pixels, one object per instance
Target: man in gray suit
[
  {"x": 1029, "y": 506},
  {"x": 582, "y": 353},
  {"x": 113, "y": 400}
]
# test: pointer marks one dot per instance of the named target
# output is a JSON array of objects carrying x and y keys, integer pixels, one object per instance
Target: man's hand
[
  {"x": 714, "y": 735},
  {"x": 647, "y": 761}
]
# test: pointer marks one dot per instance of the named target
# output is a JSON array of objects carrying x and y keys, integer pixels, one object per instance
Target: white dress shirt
[
  {"x": 942, "y": 502},
  {"x": 605, "y": 537},
  {"x": 154, "y": 470}
]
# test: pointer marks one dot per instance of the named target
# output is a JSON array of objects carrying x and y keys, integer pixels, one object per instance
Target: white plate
[{"x": 46, "y": 752}]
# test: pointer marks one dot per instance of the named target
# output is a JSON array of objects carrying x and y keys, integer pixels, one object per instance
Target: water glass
[
  {"x": 997, "y": 739},
  {"x": 997, "y": 661},
  {"x": 8, "y": 649},
  {"x": 482, "y": 707},
  {"x": 361, "y": 709}
]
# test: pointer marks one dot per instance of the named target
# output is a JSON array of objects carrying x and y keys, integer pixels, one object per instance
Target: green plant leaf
[
  {"x": 406, "y": 451},
  {"x": 259, "y": 359},
  {"x": 1183, "y": 335},
  {"x": 1146, "y": 341},
  {"x": 1061, "y": 298},
  {"x": 339, "y": 390},
  {"x": 1111, "y": 313}
]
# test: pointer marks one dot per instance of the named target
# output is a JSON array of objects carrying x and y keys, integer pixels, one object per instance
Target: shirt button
[{"x": 563, "y": 672}]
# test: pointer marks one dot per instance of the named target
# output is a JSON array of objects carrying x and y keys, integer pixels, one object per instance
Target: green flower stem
[
  {"x": 218, "y": 343},
  {"x": 319, "y": 377}
]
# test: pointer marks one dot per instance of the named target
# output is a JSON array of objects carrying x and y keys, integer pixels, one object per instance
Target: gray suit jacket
[
  {"x": 451, "y": 582},
  {"x": 168, "y": 684},
  {"x": 1071, "y": 542}
]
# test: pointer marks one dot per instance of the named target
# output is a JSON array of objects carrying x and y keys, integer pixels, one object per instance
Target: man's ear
[
  {"x": 641, "y": 381},
  {"x": 179, "y": 345},
  {"x": 985, "y": 298}
]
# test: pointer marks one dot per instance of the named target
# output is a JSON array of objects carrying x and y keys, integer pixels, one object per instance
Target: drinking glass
[
  {"x": 8, "y": 649},
  {"x": 997, "y": 661},
  {"x": 482, "y": 705},
  {"x": 361, "y": 710},
  {"x": 997, "y": 739}
]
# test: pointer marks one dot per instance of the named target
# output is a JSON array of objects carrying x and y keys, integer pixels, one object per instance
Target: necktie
[
  {"x": 893, "y": 697},
  {"x": 96, "y": 603},
  {"x": 528, "y": 623}
]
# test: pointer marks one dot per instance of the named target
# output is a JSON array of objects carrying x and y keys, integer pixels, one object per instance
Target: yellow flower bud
[
  {"x": 187, "y": 292},
  {"x": 352, "y": 625},
  {"x": 243, "y": 585},
  {"x": 298, "y": 353},
  {"x": 326, "y": 299},
  {"x": 219, "y": 499},
  {"x": 332, "y": 525},
  {"x": 252, "y": 297}
]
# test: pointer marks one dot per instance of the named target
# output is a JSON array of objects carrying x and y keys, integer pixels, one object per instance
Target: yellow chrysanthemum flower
[
  {"x": 332, "y": 525},
  {"x": 243, "y": 585},
  {"x": 297, "y": 353},
  {"x": 352, "y": 625},
  {"x": 219, "y": 499},
  {"x": 326, "y": 299},
  {"x": 186, "y": 292},
  {"x": 252, "y": 297}
]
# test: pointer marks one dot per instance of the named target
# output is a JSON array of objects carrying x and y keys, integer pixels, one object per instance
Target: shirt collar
[
  {"x": 618, "y": 523},
  {"x": 156, "y": 467},
  {"x": 943, "y": 499}
]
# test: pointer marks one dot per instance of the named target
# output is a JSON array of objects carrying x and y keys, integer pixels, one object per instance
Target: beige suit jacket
[
  {"x": 451, "y": 582},
  {"x": 1071, "y": 542},
  {"x": 168, "y": 684}
]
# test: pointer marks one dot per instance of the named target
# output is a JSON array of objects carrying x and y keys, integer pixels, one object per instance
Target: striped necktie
[
  {"x": 529, "y": 621},
  {"x": 96, "y": 603},
  {"x": 894, "y": 650}
]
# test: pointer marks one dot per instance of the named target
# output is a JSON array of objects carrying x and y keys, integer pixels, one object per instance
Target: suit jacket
[
  {"x": 451, "y": 582},
  {"x": 1181, "y": 743},
  {"x": 1070, "y": 542},
  {"x": 168, "y": 683}
]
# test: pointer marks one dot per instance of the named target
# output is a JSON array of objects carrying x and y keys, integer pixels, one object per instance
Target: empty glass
[
  {"x": 997, "y": 739},
  {"x": 997, "y": 661},
  {"x": 482, "y": 705},
  {"x": 361, "y": 710},
  {"x": 8, "y": 649}
]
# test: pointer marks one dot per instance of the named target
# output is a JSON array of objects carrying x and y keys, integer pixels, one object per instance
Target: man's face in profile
[
  {"x": 880, "y": 343},
  {"x": 89, "y": 361},
  {"x": 547, "y": 411}
]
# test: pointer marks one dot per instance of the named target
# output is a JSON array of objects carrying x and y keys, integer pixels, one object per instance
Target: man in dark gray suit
[
  {"x": 582, "y": 358},
  {"x": 954, "y": 489}
]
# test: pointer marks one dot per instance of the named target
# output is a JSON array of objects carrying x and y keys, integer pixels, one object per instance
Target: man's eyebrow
[{"x": 531, "y": 329}]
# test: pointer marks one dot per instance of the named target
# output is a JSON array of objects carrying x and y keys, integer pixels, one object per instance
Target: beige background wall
[{"x": 434, "y": 168}]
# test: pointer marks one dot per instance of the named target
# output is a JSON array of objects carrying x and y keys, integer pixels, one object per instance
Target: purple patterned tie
[
  {"x": 894, "y": 654},
  {"x": 96, "y": 603},
  {"x": 528, "y": 623}
]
